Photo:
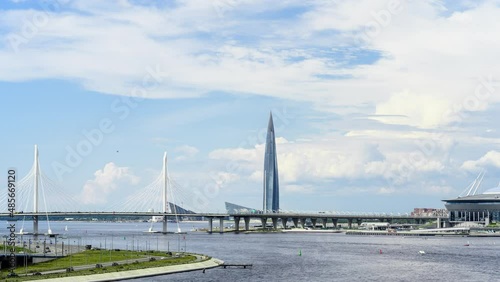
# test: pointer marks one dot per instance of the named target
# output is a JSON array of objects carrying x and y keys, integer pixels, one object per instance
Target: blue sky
[{"x": 378, "y": 105}]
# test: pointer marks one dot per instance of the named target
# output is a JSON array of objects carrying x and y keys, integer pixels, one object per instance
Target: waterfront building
[
  {"x": 474, "y": 208},
  {"x": 271, "y": 181}
]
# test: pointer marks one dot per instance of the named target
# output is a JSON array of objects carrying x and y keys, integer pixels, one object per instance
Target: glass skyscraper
[{"x": 271, "y": 181}]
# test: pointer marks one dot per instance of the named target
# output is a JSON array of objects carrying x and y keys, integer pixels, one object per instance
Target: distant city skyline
[{"x": 378, "y": 106}]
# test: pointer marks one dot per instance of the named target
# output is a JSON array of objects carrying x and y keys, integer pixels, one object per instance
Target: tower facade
[{"x": 271, "y": 181}]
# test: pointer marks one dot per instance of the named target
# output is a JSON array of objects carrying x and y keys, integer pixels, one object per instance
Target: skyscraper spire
[{"x": 271, "y": 181}]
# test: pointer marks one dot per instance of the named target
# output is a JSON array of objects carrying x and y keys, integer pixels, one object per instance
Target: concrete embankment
[{"x": 140, "y": 273}]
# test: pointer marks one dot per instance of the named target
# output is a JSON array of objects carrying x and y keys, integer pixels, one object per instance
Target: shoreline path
[{"x": 199, "y": 264}]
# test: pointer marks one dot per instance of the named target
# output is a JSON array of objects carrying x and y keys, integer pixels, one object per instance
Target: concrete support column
[
  {"x": 264, "y": 222},
  {"x": 284, "y": 221},
  {"x": 164, "y": 225},
  {"x": 302, "y": 222},
  {"x": 314, "y": 221},
  {"x": 359, "y": 221},
  {"x": 237, "y": 224},
  {"x": 221, "y": 225},
  {"x": 210, "y": 225},
  {"x": 438, "y": 221},
  {"x": 295, "y": 222},
  {"x": 35, "y": 224},
  {"x": 349, "y": 223},
  {"x": 247, "y": 223},
  {"x": 275, "y": 223},
  {"x": 335, "y": 221},
  {"x": 325, "y": 221}
]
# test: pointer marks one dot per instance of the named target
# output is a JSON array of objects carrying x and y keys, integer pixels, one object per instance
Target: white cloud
[
  {"x": 302, "y": 189},
  {"x": 109, "y": 47},
  {"x": 105, "y": 182},
  {"x": 186, "y": 152},
  {"x": 491, "y": 158},
  {"x": 415, "y": 110},
  {"x": 299, "y": 161},
  {"x": 425, "y": 189}
]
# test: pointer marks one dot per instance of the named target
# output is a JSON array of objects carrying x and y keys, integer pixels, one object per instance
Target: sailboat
[
  {"x": 179, "y": 231},
  {"x": 468, "y": 244}
]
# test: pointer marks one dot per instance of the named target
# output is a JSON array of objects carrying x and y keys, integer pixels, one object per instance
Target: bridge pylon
[
  {"x": 164, "y": 193},
  {"x": 36, "y": 170}
]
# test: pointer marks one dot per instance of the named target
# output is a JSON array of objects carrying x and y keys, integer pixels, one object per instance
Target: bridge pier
[
  {"x": 284, "y": 221},
  {"x": 359, "y": 221},
  {"x": 295, "y": 222},
  {"x": 210, "y": 224},
  {"x": 314, "y": 221},
  {"x": 35, "y": 224},
  {"x": 349, "y": 223},
  {"x": 263, "y": 220},
  {"x": 335, "y": 221},
  {"x": 221, "y": 225},
  {"x": 164, "y": 227},
  {"x": 325, "y": 221},
  {"x": 237, "y": 224},
  {"x": 275, "y": 223},
  {"x": 247, "y": 223},
  {"x": 302, "y": 222}
]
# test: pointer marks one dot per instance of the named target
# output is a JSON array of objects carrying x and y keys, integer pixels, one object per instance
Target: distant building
[
  {"x": 234, "y": 208},
  {"x": 271, "y": 181},
  {"x": 429, "y": 212}
]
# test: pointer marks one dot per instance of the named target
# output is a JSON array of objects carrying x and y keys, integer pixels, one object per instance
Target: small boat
[
  {"x": 179, "y": 231},
  {"x": 150, "y": 230},
  {"x": 421, "y": 252}
]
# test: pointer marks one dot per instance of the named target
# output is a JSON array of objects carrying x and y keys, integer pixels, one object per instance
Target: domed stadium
[{"x": 481, "y": 209}]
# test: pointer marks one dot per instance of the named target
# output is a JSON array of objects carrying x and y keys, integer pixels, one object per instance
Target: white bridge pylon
[
  {"x": 154, "y": 198},
  {"x": 28, "y": 192},
  {"x": 36, "y": 193}
]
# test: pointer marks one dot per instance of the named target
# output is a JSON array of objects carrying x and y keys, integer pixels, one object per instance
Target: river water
[{"x": 323, "y": 257}]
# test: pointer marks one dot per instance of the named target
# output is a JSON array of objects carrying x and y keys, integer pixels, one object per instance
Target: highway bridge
[{"x": 298, "y": 219}]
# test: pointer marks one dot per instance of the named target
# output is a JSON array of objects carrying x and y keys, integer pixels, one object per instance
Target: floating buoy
[
  {"x": 380, "y": 251},
  {"x": 300, "y": 253}
]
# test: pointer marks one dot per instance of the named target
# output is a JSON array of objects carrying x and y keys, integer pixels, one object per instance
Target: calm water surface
[{"x": 325, "y": 257}]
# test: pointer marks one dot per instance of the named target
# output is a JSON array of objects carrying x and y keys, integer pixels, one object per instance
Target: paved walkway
[{"x": 146, "y": 272}]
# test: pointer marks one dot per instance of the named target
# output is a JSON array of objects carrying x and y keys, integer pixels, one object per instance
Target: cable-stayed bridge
[{"x": 37, "y": 197}]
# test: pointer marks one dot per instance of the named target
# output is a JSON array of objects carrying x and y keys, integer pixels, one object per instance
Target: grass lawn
[{"x": 92, "y": 257}]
